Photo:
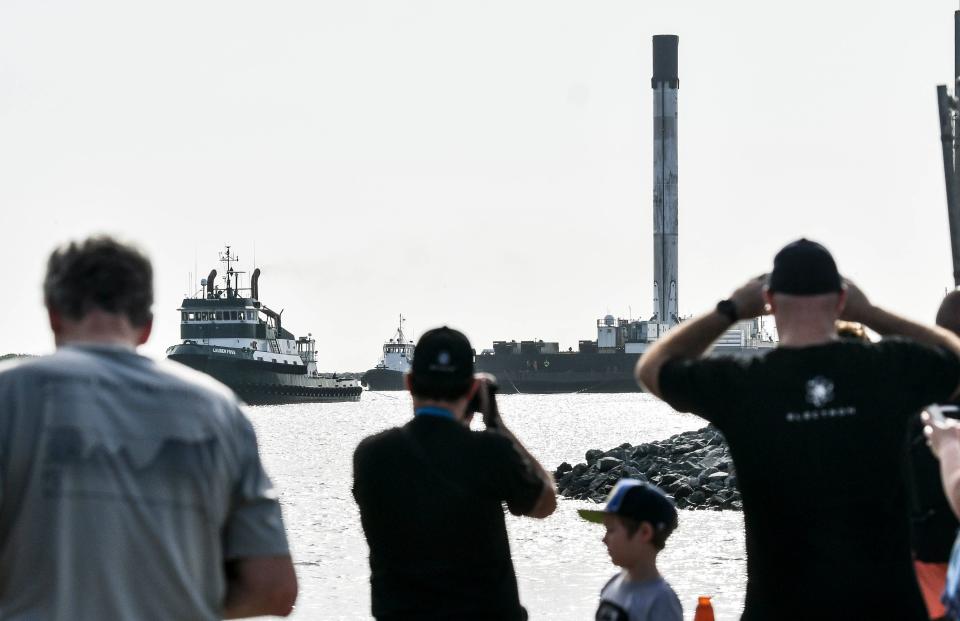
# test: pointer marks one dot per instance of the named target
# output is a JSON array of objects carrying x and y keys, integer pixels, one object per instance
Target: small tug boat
[
  {"x": 231, "y": 335},
  {"x": 393, "y": 365}
]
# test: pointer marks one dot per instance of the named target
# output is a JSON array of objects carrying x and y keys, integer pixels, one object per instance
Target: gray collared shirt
[{"x": 124, "y": 486}]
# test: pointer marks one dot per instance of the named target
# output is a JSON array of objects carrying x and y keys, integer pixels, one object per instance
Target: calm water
[{"x": 560, "y": 562}]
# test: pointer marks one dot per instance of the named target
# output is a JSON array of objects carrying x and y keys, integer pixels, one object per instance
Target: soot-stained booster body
[{"x": 665, "y": 85}]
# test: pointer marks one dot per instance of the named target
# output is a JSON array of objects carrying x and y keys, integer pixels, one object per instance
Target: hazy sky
[{"x": 482, "y": 164}]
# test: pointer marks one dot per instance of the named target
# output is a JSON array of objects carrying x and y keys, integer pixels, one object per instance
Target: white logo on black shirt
[{"x": 819, "y": 391}]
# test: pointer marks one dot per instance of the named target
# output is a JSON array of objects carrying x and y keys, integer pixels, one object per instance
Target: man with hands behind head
[
  {"x": 816, "y": 430},
  {"x": 430, "y": 495}
]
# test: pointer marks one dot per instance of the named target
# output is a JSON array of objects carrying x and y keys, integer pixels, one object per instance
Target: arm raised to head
[
  {"x": 858, "y": 308},
  {"x": 693, "y": 338}
]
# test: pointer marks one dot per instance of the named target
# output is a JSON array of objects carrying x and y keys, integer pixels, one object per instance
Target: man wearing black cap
[
  {"x": 816, "y": 431},
  {"x": 430, "y": 495}
]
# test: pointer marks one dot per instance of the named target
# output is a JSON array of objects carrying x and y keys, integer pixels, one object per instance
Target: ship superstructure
[
  {"x": 230, "y": 334},
  {"x": 394, "y": 363}
]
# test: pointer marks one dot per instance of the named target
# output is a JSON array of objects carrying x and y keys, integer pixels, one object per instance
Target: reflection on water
[{"x": 561, "y": 563}]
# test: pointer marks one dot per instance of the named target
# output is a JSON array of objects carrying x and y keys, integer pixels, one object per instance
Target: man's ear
[
  {"x": 473, "y": 390},
  {"x": 842, "y": 299},
  {"x": 145, "y": 331},
  {"x": 56, "y": 321},
  {"x": 768, "y": 298}
]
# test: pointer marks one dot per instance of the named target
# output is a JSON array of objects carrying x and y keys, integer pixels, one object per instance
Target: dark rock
[
  {"x": 608, "y": 463},
  {"x": 682, "y": 491},
  {"x": 633, "y": 473},
  {"x": 597, "y": 483},
  {"x": 564, "y": 468},
  {"x": 619, "y": 453},
  {"x": 667, "y": 479},
  {"x": 697, "y": 497},
  {"x": 583, "y": 481},
  {"x": 593, "y": 455}
]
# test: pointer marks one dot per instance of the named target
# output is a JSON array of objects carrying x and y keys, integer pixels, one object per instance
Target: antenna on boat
[{"x": 232, "y": 276}]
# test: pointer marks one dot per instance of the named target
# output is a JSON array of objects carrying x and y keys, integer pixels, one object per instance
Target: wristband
[{"x": 728, "y": 309}]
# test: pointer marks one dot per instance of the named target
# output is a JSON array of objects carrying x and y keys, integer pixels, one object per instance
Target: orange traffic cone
[{"x": 704, "y": 609}]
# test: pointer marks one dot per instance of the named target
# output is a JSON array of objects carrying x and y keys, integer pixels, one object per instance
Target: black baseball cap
[
  {"x": 443, "y": 357},
  {"x": 634, "y": 499},
  {"x": 804, "y": 267}
]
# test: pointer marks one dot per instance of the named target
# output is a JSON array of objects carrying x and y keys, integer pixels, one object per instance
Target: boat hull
[
  {"x": 383, "y": 379},
  {"x": 259, "y": 382},
  {"x": 562, "y": 372},
  {"x": 575, "y": 372}
]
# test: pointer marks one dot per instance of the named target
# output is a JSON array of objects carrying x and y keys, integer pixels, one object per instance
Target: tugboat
[
  {"x": 229, "y": 334},
  {"x": 394, "y": 363}
]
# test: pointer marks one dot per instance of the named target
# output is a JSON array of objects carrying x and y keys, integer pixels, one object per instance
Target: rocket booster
[{"x": 665, "y": 84}]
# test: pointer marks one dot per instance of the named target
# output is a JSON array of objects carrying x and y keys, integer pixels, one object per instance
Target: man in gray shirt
[{"x": 129, "y": 489}]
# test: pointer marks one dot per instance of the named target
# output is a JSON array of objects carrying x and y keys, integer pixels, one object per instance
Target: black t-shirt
[
  {"x": 430, "y": 496},
  {"x": 817, "y": 438}
]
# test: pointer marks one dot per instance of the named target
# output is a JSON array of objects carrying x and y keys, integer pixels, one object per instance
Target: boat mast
[
  {"x": 400, "y": 337},
  {"x": 232, "y": 276}
]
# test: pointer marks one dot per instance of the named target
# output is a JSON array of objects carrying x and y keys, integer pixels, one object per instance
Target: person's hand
[
  {"x": 748, "y": 299},
  {"x": 940, "y": 433},
  {"x": 857, "y": 305}
]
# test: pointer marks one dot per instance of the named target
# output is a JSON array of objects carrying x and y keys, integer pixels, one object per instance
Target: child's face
[{"x": 624, "y": 550}]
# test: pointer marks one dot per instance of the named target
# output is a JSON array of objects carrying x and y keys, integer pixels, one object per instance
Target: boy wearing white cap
[{"x": 638, "y": 518}]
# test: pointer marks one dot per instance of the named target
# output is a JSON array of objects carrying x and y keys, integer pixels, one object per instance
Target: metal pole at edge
[{"x": 949, "y": 176}]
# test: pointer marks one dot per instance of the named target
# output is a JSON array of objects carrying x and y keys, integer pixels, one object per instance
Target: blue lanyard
[{"x": 432, "y": 411}]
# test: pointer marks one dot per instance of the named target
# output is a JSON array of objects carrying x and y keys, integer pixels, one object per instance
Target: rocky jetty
[
  {"x": 14, "y": 356},
  {"x": 693, "y": 467}
]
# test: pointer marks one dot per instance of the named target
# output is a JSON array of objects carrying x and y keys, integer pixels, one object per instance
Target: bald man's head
[{"x": 949, "y": 314}]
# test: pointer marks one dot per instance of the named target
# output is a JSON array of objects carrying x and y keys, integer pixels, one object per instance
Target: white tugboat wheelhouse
[{"x": 394, "y": 363}]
